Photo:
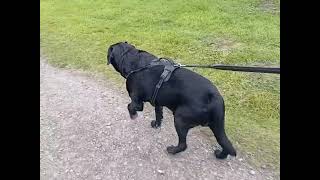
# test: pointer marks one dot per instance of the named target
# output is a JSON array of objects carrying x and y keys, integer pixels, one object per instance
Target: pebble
[
  {"x": 160, "y": 171},
  {"x": 252, "y": 172}
]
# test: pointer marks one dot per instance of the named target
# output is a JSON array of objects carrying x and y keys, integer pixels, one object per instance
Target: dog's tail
[{"x": 217, "y": 126}]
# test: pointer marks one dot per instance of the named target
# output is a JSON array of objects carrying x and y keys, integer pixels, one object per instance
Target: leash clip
[{"x": 177, "y": 65}]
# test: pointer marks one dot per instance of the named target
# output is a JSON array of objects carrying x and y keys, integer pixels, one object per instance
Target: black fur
[{"x": 193, "y": 99}]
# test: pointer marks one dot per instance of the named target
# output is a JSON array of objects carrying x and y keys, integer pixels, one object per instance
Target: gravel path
[{"x": 86, "y": 133}]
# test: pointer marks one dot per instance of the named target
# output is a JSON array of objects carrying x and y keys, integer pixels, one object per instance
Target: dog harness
[{"x": 169, "y": 68}]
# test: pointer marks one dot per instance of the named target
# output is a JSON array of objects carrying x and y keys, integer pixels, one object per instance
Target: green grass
[{"x": 76, "y": 34}]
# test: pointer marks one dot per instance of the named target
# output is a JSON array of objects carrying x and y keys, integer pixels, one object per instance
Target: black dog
[{"x": 193, "y": 99}]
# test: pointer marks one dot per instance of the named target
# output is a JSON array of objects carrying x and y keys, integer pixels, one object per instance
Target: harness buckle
[{"x": 165, "y": 73}]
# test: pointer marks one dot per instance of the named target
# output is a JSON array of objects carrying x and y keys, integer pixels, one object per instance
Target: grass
[{"x": 76, "y": 34}]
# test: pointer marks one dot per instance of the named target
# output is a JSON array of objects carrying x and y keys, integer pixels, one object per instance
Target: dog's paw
[
  {"x": 172, "y": 149},
  {"x": 154, "y": 124},
  {"x": 134, "y": 116},
  {"x": 220, "y": 154},
  {"x": 176, "y": 149}
]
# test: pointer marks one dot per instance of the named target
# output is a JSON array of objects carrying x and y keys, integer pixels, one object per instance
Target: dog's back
[{"x": 186, "y": 87}]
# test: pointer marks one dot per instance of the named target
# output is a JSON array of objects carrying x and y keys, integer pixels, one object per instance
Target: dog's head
[{"x": 115, "y": 55}]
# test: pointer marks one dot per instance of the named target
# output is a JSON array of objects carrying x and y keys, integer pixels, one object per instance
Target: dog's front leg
[
  {"x": 159, "y": 115},
  {"x": 134, "y": 106}
]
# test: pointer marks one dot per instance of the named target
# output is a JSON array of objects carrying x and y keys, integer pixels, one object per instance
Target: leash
[{"x": 272, "y": 70}]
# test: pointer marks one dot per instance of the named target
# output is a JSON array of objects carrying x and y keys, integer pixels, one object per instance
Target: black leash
[{"x": 272, "y": 70}]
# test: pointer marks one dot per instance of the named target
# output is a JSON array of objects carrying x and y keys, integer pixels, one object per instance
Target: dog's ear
[{"x": 109, "y": 55}]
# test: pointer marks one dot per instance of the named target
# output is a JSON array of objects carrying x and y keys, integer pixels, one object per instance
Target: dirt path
[{"x": 86, "y": 133}]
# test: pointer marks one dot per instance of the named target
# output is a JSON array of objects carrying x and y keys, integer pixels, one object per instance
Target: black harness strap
[
  {"x": 154, "y": 62},
  {"x": 169, "y": 67}
]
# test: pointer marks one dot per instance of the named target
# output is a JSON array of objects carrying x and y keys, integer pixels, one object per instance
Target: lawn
[{"x": 76, "y": 34}]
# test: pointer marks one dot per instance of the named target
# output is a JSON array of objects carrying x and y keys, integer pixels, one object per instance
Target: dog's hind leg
[
  {"x": 217, "y": 127},
  {"x": 159, "y": 115},
  {"x": 182, "y": 131},
  {"x": 224, "y": 142}
]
